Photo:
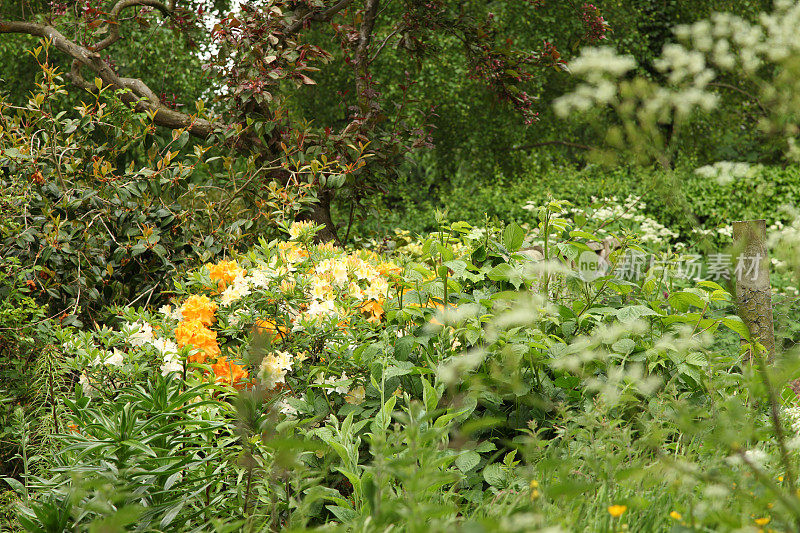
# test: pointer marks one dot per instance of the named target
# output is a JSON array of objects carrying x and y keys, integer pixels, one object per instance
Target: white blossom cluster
[
  {"x": 784, "y": 242},
  {"x": 649, "y": 230},
  {"x": 758, "y": 59},
  {"x": 273, "y": 369},
  {"x": 726, "y": 172}
]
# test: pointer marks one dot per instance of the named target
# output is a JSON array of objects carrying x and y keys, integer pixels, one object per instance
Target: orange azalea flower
[
  {"x": 194, "y": 333},
  {"x": 374, "y": 308},
  {"x": 229, "y": 372},
  {"x": 224, "y": 272},
  {"x": 199, "y": 308}
]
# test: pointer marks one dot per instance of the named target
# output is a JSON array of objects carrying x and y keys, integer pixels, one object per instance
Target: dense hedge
[{"x": 680, "y": 199}]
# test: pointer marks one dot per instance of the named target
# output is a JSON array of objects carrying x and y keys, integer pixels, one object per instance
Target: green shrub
[
  {"x": 105, "y": 207},
  {"x": 302, "y": 386}
]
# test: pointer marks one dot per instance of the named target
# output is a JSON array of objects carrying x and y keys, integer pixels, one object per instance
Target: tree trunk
[
  {"x": 321, "y": 214},
  {"x": 753, "y": 291}
]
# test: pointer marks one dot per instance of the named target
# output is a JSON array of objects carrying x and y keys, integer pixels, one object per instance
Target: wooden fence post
[{"x": 753, "y": 290}]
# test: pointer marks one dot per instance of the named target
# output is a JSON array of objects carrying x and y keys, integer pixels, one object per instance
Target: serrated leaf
[
  {"x": 633, "y": 312},
  {"x": 468, "y": 460},
  {"x": 494, "y": 475},
  {"x": 624, "y": 346},
  {"x": 681, "y": 301},
  {"x": 736, "y": 324}
]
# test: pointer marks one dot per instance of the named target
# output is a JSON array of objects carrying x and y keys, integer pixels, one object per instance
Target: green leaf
[
  {"x": 513, "y": 236},
  {"x": 736, "y": 324},
  {"x": 15, "y": 484},
  {"x": 468, "y": 460},
  {"x": 696, "y": 359},
  {"x": 485, "y": 446},
  {"x": 494, "y": 475},
  {"x": 343, "y": 514},
  {"x": 624, "y": 346},
  {"x": 429, "y": 396},
  {"x": 634, "y": 312},
  {"x": 172, "y": 513},
  {"x": 681, "y": 301}
]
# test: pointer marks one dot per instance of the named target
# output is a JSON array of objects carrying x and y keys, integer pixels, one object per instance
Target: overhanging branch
[
  {"x": 317, "y": 16},
  {"x": 113, "y": 22},
  {"x": 139, "y": 95}
]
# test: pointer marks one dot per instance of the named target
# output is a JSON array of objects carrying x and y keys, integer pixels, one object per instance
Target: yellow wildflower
[
  {"x": 762, "y": 521},
  {"x": 617, "y": 510},
  {"x": 675, "y": 515}
]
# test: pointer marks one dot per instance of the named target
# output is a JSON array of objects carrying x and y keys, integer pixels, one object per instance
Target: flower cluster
[
  {"x": 224, "y": 272},
  {"x": 194, "y": 328},
  {"x": 630, "y": 210},
  {"x": 273, "y": 369},
  {"x": 594, "y": 25}
]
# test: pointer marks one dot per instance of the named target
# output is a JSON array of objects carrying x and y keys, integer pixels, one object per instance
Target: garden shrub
[
  {"x": 105, "y": 207},
  {"x": 680, "y": 199},
  {"x": 299, "y": 384}
]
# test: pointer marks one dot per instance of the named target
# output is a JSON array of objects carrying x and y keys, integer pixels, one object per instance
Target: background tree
[{"x": 262, "y": 57}]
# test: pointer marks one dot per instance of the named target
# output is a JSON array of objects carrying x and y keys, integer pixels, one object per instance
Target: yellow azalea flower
[
  {"x": 389, "y": 269},
  {"x": 229, "y": 372},
  {"x": 327, "y": 247},
  {"x": 675, "y": 515},
  {"x": 320, "y": 291},
  {"x": 356, "y": 396},
  {"x": 199, "y": 308},
  {"x": 617, "y": 510},
  {"x": 300, "y": 229},
  {"x": 290, "y": 253},
  {"x": 762, "y": 521}
]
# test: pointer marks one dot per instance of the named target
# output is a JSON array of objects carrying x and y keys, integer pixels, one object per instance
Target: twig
[{"x": 551, "y": 143}]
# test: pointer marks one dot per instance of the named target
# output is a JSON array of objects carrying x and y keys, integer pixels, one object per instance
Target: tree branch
[
  {"x": 551, "y": 143},
  {"x": 742, "y": 92},
  {"x": 383, "y": 44},
  {"x": 318, "y": 16},
  {"x": 139, "y": 95},
  {"x": 113, "y": 23},
  {"x": 361, "y": 58}
]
